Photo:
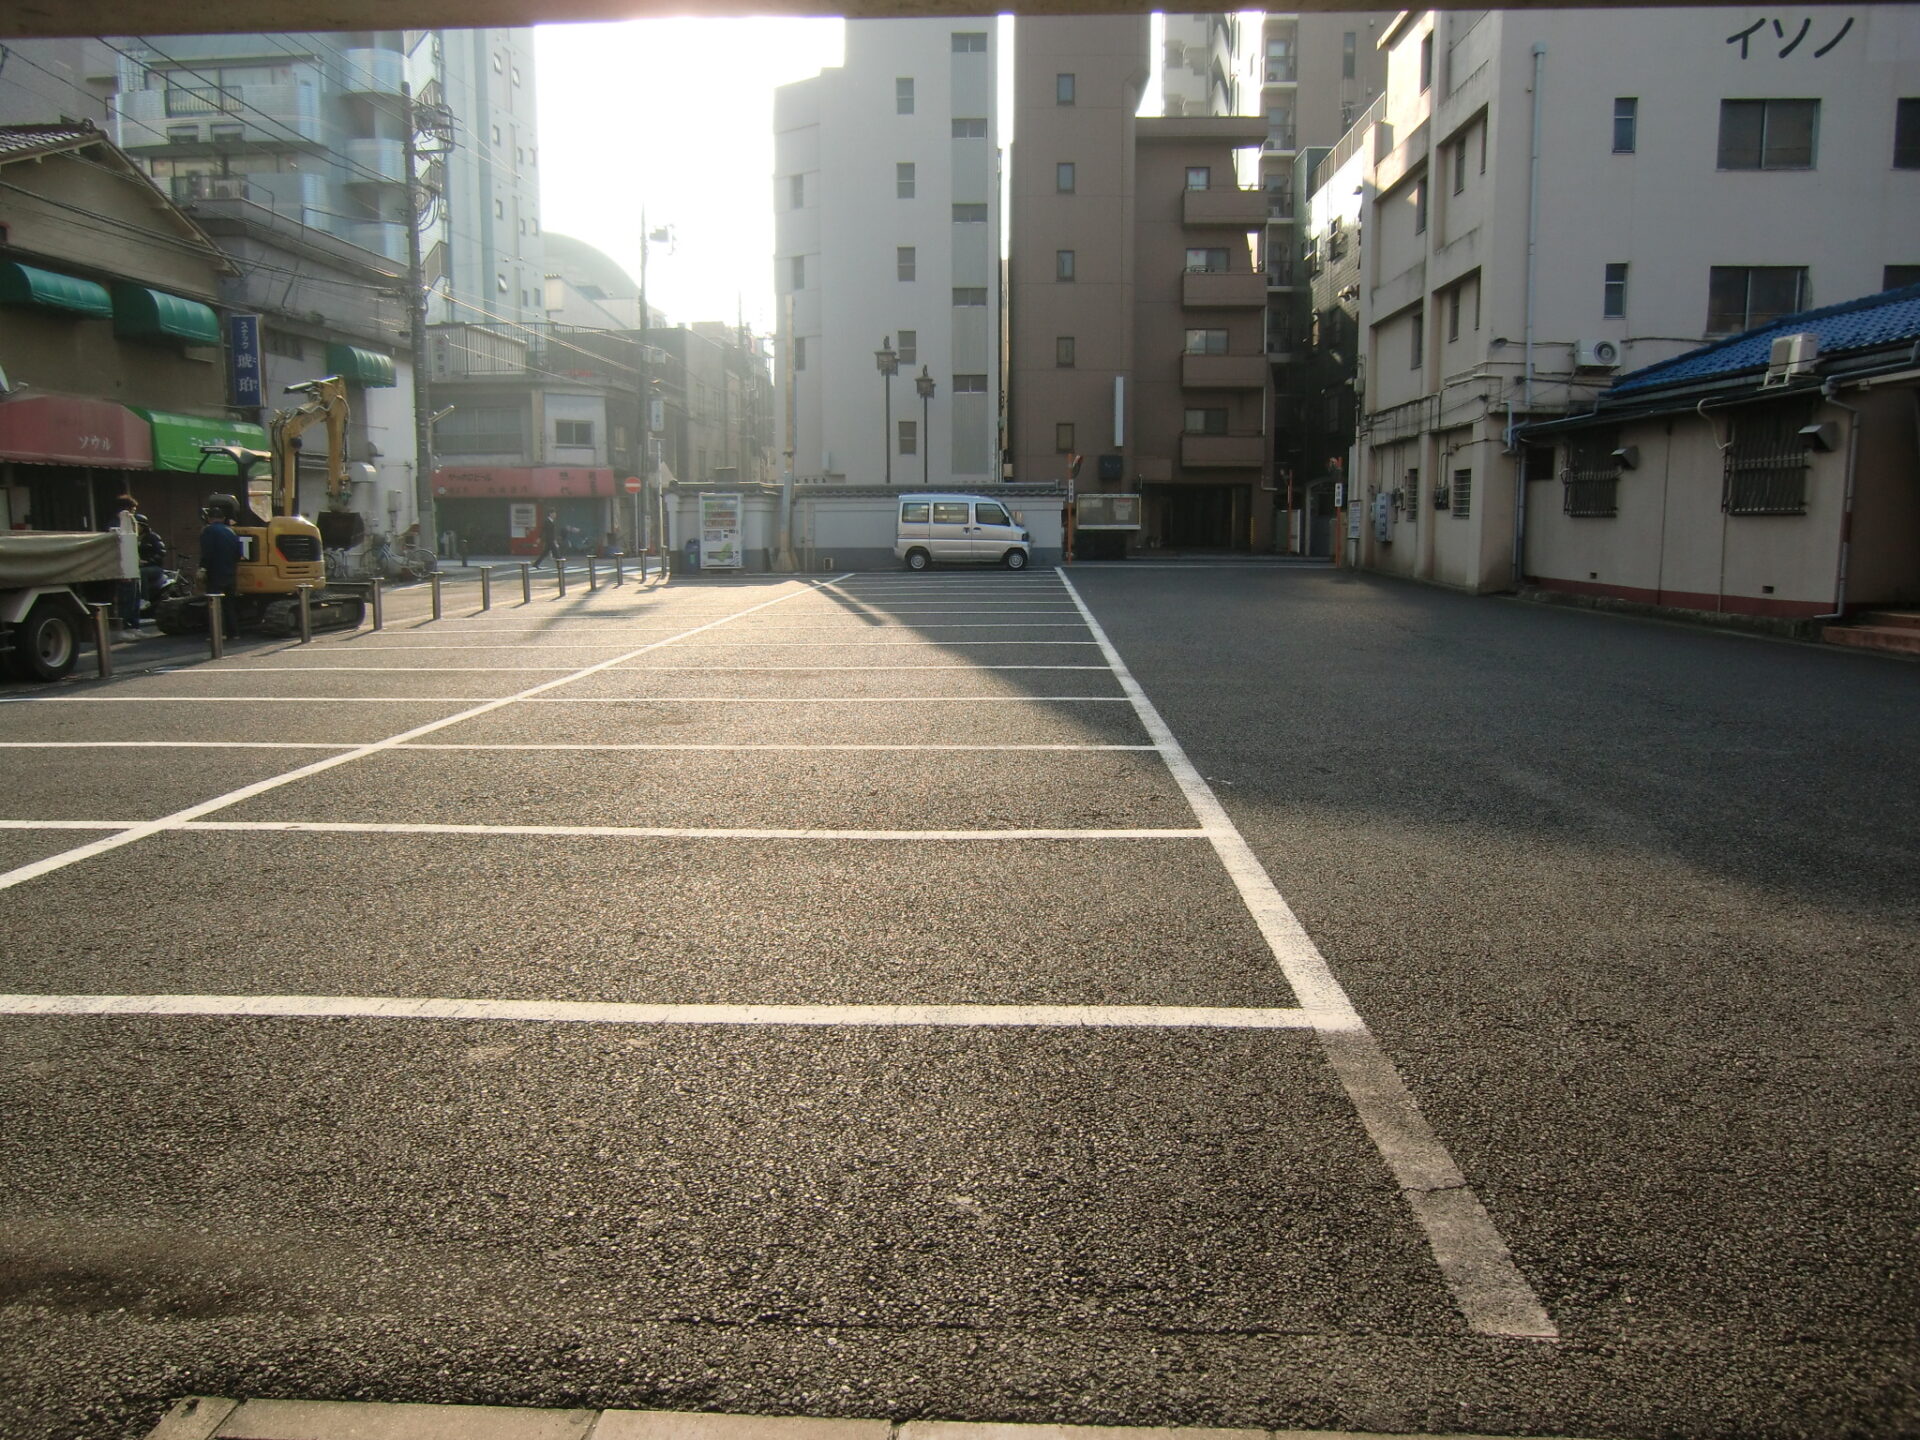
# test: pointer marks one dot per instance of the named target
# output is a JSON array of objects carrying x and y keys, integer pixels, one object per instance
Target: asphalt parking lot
[{"x": 1133, "y": 995}]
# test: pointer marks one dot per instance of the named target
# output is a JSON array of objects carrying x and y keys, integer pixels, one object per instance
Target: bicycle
[{"x": 384, "y": 561}]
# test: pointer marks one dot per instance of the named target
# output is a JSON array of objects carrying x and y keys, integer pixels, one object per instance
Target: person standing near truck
[
  {"x": 220, "y": 551},
  {"x": 126, "y": 593}
]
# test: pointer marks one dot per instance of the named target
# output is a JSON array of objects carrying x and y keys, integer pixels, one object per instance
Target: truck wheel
[
  {"x": 1016, "y": 560},
  {"x": 46, "y": 643},
  {"x": 918, "y": 560}
]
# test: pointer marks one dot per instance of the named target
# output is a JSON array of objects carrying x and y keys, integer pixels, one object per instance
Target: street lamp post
[
  {"x": 888, "y": 364},
  {"x": 923, "y": 382}
]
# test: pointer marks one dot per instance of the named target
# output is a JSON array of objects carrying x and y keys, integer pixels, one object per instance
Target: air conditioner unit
[
  {"x": 1791, "y": 356},
  {"x": 1596, "y": 355}
]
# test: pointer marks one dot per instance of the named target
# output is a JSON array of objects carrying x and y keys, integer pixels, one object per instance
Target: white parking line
[
  {"x": 173, "y": 745},
  {"x": 23, "y": 873},
  {"x": 530, "y": 745},
  {"x": 1478, "y": 1268},
  {"x": 686, "y": 832},
  {"x": 565, "y": 699},
  {"x": 380, "y": 1007}
]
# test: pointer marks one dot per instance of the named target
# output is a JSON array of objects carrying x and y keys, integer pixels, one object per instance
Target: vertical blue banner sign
[{"x": 244, "y": 333}]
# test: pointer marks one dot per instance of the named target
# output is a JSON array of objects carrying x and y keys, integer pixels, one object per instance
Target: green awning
[
  {"x": 360, "y": 367},
  {"x": 177, "y": 440},
  {"x": 142, "y": 314},
  {"x": 24, "y": 285}
]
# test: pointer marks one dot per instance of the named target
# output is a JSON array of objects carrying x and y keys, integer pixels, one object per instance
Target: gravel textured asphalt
[{"x": 1632, "y": 907}]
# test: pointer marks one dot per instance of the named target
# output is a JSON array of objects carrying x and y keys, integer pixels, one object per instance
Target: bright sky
[{"x": 675, "y": 115}]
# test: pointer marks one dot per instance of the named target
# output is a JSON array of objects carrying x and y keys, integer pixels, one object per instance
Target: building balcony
[
  {"x": 1279, "y": 141},
  {"x": 373, "y": 72},
  {"x": 389, "y": 240},
  {"x": 1223, "y": 289},
  {"x": 186, "y": 189},
  {"x": 177, "y": 115},
  {"x": 373, "y": 161},
  {"x": 1224, "y": 205},
  {"x": 1281, "y": 72},
  {"x": 1281, "y": 275},
  {"x": 1222, "y": 452},
  {"x": 1223, "y": 372}
]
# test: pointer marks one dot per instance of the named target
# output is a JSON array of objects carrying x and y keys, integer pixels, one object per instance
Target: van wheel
[
  {"x": 1016, "y": 559},
  {"x": 918, "y": 559},
  {"x": 46, "y": 644}
]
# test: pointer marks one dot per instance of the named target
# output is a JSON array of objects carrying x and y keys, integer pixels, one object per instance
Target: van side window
[
  {"x": 913, "y": 512},
  {"x": 990, "y": 515},
  {"x": 949, "y": 512}
]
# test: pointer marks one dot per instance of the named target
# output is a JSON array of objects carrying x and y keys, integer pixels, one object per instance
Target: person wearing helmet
[{"x": 220, "y": 551}]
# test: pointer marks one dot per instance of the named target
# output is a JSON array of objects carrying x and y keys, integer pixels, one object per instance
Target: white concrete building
[
  {"x": 887, "y": 229},
  {"x": 1207, "y": 64},
  {"x": 1551, "y": 197}
]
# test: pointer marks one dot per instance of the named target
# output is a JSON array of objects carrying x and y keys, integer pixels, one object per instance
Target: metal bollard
[
  {"x": 560, "y": 575},
  {"x": 217, "y": 627},
  {"x": 102, "y": 647},
  {"x": 593, "y": 575},
  {"x": 526, "y": 583},
  {"x": 306, "y": 614},
  {"x": 373, "y": 594},
  {"x": 434, "y": 580},
  {"x": 486, "y": 587},
  {"x": 619, "y": 572}
]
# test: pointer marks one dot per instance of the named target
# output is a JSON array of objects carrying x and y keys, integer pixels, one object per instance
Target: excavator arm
[{"x": 326, "y": 403}]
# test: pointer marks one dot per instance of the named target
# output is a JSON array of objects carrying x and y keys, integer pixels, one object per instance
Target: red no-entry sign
[{"x": 634, "y": 484}]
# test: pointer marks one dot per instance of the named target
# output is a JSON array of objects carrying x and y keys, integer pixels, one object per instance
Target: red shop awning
[
  {"x": 505, "y": 482},
  {"x": 69, "y": 430}
]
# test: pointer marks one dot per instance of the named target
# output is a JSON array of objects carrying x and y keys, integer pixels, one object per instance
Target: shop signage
[
  {"x": 243, "y": 347},
  {"x": 71, "y": 430},
  {"x": 497, "y": 482}
]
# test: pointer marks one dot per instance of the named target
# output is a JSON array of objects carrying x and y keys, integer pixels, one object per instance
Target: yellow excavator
[{"x": 282, "y": 553}]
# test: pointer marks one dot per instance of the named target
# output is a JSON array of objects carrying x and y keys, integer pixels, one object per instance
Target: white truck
[{"x": 47, "y": 580}]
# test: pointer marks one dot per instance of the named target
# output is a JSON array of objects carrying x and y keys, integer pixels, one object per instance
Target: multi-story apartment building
[
  {"x": 1136, "y": 306},
  {"x": 887, "y": 230},
  {"x": 1207, "y": 65},
  {"x": 1553, "y": 196}
]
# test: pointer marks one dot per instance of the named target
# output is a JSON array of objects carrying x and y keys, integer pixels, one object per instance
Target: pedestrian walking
[{"x": 550, "y": 540}]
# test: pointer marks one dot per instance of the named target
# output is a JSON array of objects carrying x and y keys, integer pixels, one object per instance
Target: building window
[
  {"x": 969, "y": 295},
  {"x": 1209, "y": 420},
  {"x": 1063, "y": 90},
  {"x": 1349, "y": 54},
  {"x": 1426, "y": 62},
  {"x": 797, "y": 271},
  {"x": 903, "y": 180},
  {"x": 796, "y": 191},
  {"x": 1906, "y": 135},
  {"x": 1419, "y": 338},
  {"x": 1212, "y": 261},
  {"x": 903, "y": 262},
  {"x": 969, "y": 129},
  {"x": 1453, "y": 312},
  {"x": 906, "y": 345},
  {"x": 1063, "y": 351},
  {"x": 1199, "y": 177},
  {"x": 1626, "y": 124},
  {"x": 279, "y": 342},
  {"x": 1740, "y": 297},
  {"x": 1410, "y": 493},
  {"x": 909, "y": 437},
  {"x": 1460, "y": 165},
  {"x": 1420, "y": 206},
  {"x": 1063, "y": 439},
  {"x": 1898, "y": 277},
  {"x": 1765, "y": 469},
  {"x": 222, "y": 134},
  {"x": 969, "y": 214},
  {"x": 1768, "y": 134},
  {"x": 969, "y": 42},
  {"x": 1461, "y": 493},
  {"x": 903, "y": 95},
  {"x": 1063, "y": 264},
  {"x": 799, "y": 352},
  {"x": 573, "y": 432},
  {"x": 1613, "y": 305},
  {"x": 1591, "y": 486},
  {"x": 969, "y": 384},
  {"x": 1206, "y": 342},
  {"x": 1063, "y": 177}
]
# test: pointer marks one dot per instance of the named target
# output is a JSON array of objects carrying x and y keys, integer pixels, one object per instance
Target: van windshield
[{"x": 990, "y": 515}]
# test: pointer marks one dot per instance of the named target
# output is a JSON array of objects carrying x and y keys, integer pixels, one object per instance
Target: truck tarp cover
[{"x": 30, "y": 559}]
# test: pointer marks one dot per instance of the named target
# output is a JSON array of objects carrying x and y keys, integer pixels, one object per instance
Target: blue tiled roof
[{"x": 1888, "y": 318}]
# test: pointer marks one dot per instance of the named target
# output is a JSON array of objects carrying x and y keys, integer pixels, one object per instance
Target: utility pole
[{"x": 434, "y": 120}]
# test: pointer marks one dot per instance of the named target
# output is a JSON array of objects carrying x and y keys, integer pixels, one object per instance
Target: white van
[{"x": 960, "y": 529}]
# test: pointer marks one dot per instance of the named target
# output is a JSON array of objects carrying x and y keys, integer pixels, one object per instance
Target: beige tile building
[{"x": 1136, "y": 309}]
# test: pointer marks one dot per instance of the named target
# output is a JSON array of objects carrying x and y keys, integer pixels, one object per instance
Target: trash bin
[{"x": 693, "y": 555}]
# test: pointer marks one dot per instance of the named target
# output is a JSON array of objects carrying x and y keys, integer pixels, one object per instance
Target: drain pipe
[
  {"x": 1533, "y": 252},
  {"x": 1829, "y": 389}
]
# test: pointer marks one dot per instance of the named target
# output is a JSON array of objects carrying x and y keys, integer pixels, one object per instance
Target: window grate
[
  {"x": 1766, "y": 465},
  {"x": 1590, "y": 485},
  {"x": 1462, "y": 492}
]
